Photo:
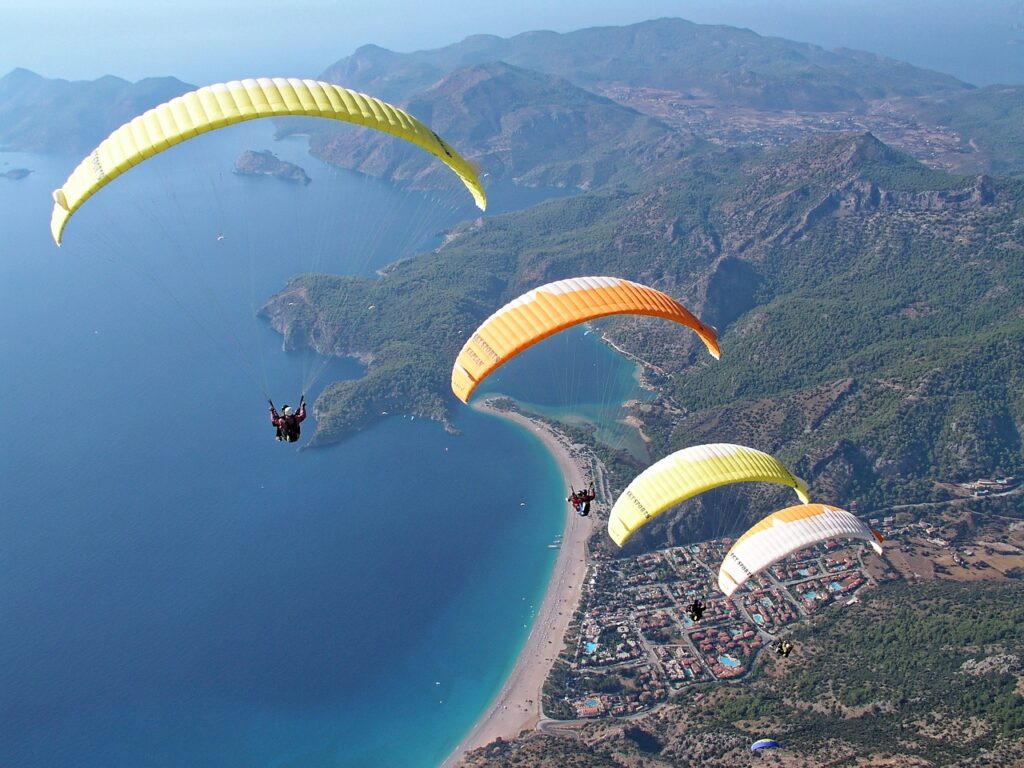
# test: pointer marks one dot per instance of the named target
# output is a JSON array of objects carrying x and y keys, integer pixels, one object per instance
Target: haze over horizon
[{"x": 980, "y": 43}]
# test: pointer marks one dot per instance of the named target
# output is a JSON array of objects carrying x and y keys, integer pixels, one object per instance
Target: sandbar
[{"x": 517, "y": 706}]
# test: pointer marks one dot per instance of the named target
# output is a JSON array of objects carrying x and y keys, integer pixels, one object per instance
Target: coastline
[{"x": 517, "y": 706}]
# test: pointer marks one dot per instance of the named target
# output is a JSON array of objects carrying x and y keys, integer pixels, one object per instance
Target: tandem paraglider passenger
[
  {"x": 287, "y": 422},
  {"x": 696, "y": 610},
  {"x": 783, "y": 648},
  {"x": 580, "y": 500}
]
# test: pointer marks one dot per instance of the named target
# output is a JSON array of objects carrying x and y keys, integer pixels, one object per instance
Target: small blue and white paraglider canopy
[{"x": 760, "y": 744}]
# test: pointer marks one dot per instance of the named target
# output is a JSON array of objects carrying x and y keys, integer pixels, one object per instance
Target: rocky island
[{"x": 266, "y": 163}]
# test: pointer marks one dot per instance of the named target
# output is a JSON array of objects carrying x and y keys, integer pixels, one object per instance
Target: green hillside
[{"x": 869, "y": 309}]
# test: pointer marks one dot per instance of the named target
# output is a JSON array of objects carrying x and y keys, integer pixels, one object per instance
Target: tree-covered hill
[
  {"x": 875, "y": 334},
  {"x": 514, "y": 123},
  {"x": 869, "y": 311}
]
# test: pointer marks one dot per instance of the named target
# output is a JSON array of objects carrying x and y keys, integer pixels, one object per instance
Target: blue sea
[{"x": 176, "y": 587}]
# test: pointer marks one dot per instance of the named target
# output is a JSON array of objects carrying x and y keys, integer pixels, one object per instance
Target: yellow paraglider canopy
[
  {"x": 688, "y": 473},
  {"x": 223, "y": 104}
]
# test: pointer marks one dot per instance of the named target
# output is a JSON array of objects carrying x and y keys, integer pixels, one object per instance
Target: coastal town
[
  {"x": 627, "y": 644},
  {"x": 636, "y": 644},
  {"x": 730, "y": 125}
]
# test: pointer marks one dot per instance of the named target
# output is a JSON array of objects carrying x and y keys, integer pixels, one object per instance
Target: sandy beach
[{"x": 517, "y": 705}]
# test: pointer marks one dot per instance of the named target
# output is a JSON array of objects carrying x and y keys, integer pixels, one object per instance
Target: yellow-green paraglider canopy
[
  {"x": 223, "y": 104},
  {"x": 690, "y": 472}
]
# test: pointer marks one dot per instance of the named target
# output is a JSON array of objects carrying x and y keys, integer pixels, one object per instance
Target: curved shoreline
[{"x": 517, "y": 706}]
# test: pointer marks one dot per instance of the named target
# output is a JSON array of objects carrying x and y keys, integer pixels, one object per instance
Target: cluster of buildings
[
  {"x": 884, "y": 525},
  {"x": 728, "y": 650},
  {"x": 637, "y": 644},
  {"x": 817, "y": 593},
  {"x": 646, "y": 689},
  {"x": 985, "y": 486},
  {"x": 770, "y": 608},
  {"x": 680, "y": 664}
]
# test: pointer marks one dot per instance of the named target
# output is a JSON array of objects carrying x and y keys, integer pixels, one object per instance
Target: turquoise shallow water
[
  {"x": 177, "y": 589},
  {"x": 576, "y": 379}
]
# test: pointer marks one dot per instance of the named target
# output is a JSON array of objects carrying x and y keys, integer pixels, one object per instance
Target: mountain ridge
[
  {"x": 595, "y": 55},
  {"x": 517, "y": 124},
  {"x": 39, "y": 114}
]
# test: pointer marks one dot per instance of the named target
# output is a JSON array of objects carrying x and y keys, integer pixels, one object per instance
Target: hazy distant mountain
[
  {"x": 734, "y": 66},
  {"x": 38, "y": 114},
  {"x": 727, "y": 85},
  {"x": 734, "y": 87},
  {"x": 539, "y": 130}
]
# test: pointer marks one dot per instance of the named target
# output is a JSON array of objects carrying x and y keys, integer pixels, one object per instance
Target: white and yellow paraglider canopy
[{"x": 785, "y": 532}]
